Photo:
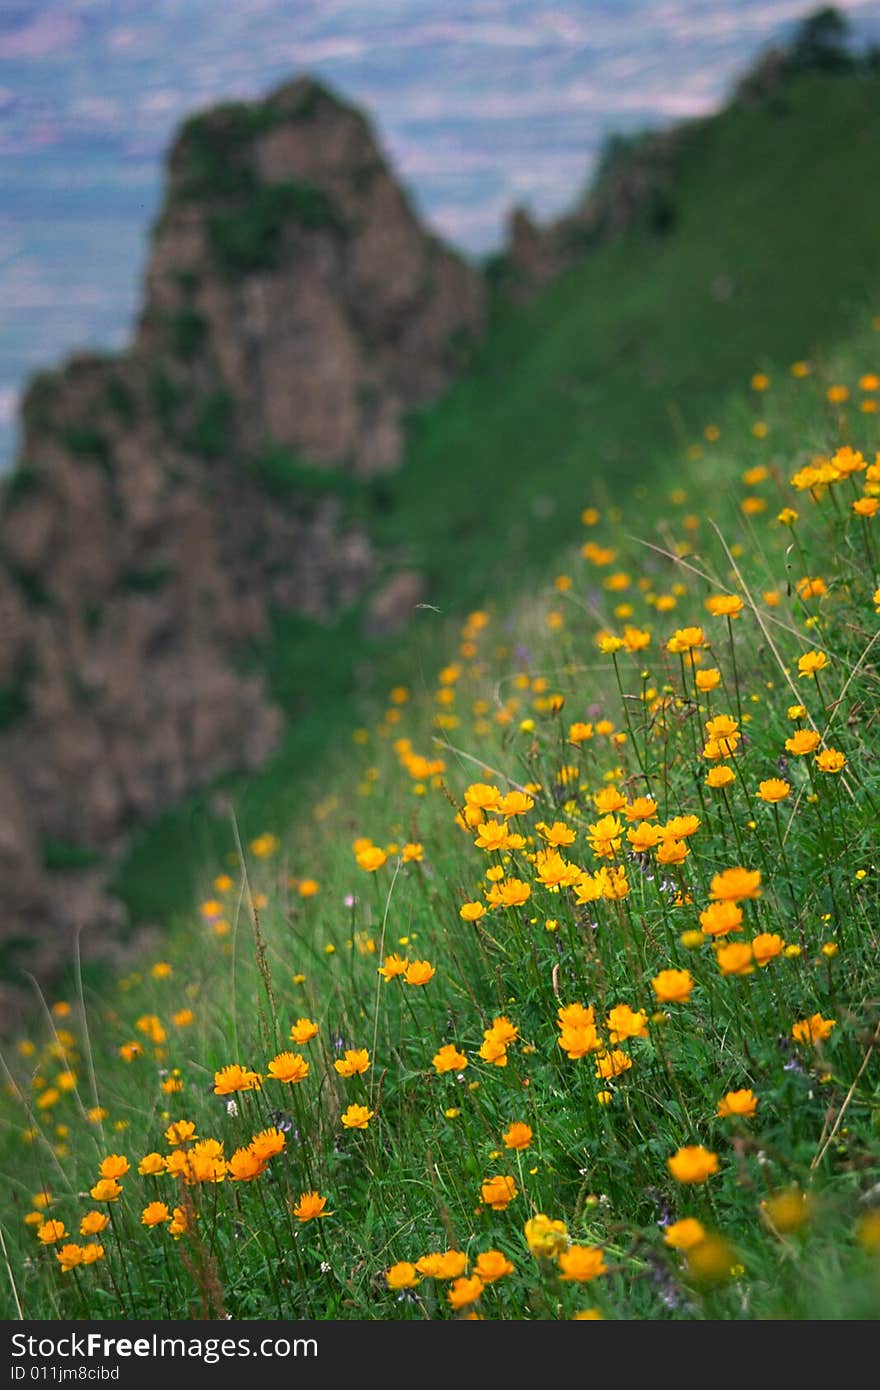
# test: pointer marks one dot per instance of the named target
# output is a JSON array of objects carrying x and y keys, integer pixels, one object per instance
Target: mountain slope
[{"x": 770, "y": 254}]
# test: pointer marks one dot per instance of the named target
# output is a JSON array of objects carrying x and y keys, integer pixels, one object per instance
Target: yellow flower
[
  {"x": 245, "y": 1165},
  {"x": 518, "y": 1136},
  {"x": 811, "y": 587},
  {"x": 581, "y": 1263},
  {"x": 371, "y": 858},
  {"x": 449, "y": 1059},
  {"x": 267, "y": 1143},
  {"x": 155, "y": 1214},
  {"x": 720, "y": 918},
  {"x": 684, "y": 1234},
  {"x": 465, "y": 1291},
  {"x": 354, "y": 1063},
  {"x": 766, "y": 947},
  {"x": 303, "y": 1031},
  {"x": 708, "y": 680},
  {"x": 802, "y": 742},
  {"x": 724, "y": 605},
  {"x": 692, "y": 1164},
  {"x": 788, "y": 1210},
  {"x": 623, "y": 1023},
  {"x": 106, "y": 1190},
  {"x": 773, "y": 790},
  {"x": 402, "y": 1276},
  {"x": 672, "y": 986},
  {"x": 310, "y": 1206},
  {"x": 419, "y": 972},
  {"x": 718, "y": 777},
  {"x": 545, "y": 1238},
  {"x": 357, "y": 1117},
  {"x": 498, "y": 1192},
  {"x": 114, "y": 1166},
  {"x": 289, "y": 1067},
  {"x": 813, "y": 1030},
  {"x": 93, "y": 1223},
  {"x": 810, "y": 663},
  {"x": 491, "y": 1265},
  {"x": 685, "y": 639},
  {"x": 733, "y": 885},
  {"x": 830, "y": 760},
  {"x": 471, "y": 912},
  {"x": 235, "y": 1078},
  {"x": 611, "y": 1064},
  {"x": 448, "y": 1265},
  {"x": 180, "y": 1132},
  {"x": 742, "y": 1103},
  {"x": 69, "y": 1256},
  {"x": 735, "y": 959},
  {"x": 51, "y": 1231}
]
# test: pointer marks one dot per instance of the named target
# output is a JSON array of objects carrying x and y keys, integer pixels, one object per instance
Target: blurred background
[{"x": 480, "y": 106}]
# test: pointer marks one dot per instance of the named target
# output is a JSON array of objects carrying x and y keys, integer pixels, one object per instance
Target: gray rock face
[{"x": 166, "y": 500}]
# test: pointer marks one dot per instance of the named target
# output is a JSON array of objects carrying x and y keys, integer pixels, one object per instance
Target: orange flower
[
  {"x": 465, "y": 1291},
  {"x": 499, "y": 1192},
  {"x": 518, "y": 1136},
  {"x": 155, "y": 1214},
  {"x": 733, "y": 885},
  {"x": 449, "y": 1059},
  {"x": 402, "y": 1276},
  {"x": 724, "y": 605},
  {"x": 735, "y": 959},
  {"x": 684, "y": 639},
  {"x": 773, "y": 790},
  {"x": 303, "y": 1031},
  {"x": 471, "y": 912},
  {"x": 720, "y": 918},
  {"x": 51, "y": 1231},
  {"x": 742, "y": 1103},
  {"x": 235, "y": 1078},
  {"x": 610, "y": 1064},
  {"x": 392, "y": 966},
  {"x": 491, "y": 1265},
  {"x": 357, "y": 1117},
  {"x": 802, "y": 742},
  {"x": 267, "y": 1143},
  {"x": 114, "y": 1166},
  {"x": 692, "y": 1164},
  {"x": 684, "y": 1234},
  {"x": 289, "y": 1067},
  {"x": 623, "y": 1023},
  {"x": 672, "y": 986},
  {"x": 106, "y": 1190},
  {"x": 245, "y": 1165},
  {"x": 581, "y": 1263},
  {"x": 767, "y": 947},
  {"x": 813, "y": 1030},
  {"x": 310, "y": 1206},
  {"x": 419, "y": 972},
  {"x": 69, "y": 1256},
  {"x": 354, "y": 1063}
]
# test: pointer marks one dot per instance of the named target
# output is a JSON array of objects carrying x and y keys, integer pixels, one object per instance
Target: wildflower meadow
[{"x": 558, "y": 999}]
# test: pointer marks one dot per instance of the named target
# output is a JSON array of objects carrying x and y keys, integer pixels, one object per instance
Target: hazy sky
[{"x": 480, "y": 105}]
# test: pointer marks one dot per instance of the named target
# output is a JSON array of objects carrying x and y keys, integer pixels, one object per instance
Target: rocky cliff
[{"x": 166, "y": 498}]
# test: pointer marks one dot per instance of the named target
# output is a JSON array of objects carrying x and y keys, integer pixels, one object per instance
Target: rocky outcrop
[
  {"x": 168, "y": 498},
  {"x": 633, "y": 185}
]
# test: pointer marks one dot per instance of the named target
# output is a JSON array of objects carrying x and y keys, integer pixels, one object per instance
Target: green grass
[
  {"x": 369, "y": 863},
  {"x": 593, "y": 388}
]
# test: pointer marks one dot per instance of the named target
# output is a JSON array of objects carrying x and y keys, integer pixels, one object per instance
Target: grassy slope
[{"x": 600, "y": 381}]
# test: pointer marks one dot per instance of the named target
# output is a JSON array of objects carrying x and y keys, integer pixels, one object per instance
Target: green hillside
[{"x": 601, "y": 383}]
